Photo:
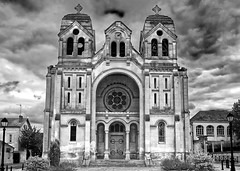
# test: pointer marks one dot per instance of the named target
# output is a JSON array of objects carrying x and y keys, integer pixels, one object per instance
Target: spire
[
  {"x": 78, "y": 8},
  {"x": 156, "y": 9}
]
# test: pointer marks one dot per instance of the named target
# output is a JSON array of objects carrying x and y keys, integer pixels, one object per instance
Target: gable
[
  {"x": 75, "y": 24},
  {"x": 118, "y": 26},
  {"x": 165, "y": 29}
]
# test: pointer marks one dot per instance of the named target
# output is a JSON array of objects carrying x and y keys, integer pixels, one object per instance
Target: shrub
[
  {"x": 54, "y": 154},
  {"x": 201, "y": 162},
  {"x": 175, "y": 164},
  {"x": 36, "y": 163},
  {"x": 65, "y": 166}
]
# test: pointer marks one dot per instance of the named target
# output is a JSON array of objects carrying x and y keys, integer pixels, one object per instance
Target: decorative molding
[{"x": 158, "y": 111}]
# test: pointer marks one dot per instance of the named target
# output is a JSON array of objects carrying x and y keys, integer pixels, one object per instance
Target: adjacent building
[
  {"x": 8, "y": 152},
  {"x": 210, "y": 128},
  {"x": 13, "y": 131},
  {"x": 117, "y": 103}
]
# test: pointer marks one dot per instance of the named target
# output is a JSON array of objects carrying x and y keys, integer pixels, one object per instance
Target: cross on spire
[
  {"x": 78, "y": 8},
  {"x": 156, "y": 9}
]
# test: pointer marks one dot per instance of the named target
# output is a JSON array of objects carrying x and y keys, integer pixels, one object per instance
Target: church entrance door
[{"x": 117, "y": 141}]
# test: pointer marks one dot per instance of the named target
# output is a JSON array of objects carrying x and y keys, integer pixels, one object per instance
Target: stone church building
[{"x": 118, "y": 102}]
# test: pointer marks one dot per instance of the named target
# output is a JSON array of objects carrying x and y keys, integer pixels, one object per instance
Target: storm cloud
[
  {"x": 207, "y": 27},
  {"x": 9, "y": 86},
  {"x": 27, "y": 5}
]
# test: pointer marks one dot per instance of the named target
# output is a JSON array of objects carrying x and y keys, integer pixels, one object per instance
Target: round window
[
  {"x": 117, "y": 99},
  {"x": 159, "y": 33},
  {"x": 75, "y": 31}
]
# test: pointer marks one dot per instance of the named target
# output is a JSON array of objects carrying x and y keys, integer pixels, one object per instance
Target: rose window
[{"x": 117, "y": 99}]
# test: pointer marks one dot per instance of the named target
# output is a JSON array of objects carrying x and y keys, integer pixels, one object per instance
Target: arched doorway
[
  {"x": 117, "y": 140},
  {"x": 118, "y": 98}
]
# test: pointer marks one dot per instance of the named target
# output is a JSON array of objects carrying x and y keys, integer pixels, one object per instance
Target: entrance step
[{"x": 117, "y": 163}]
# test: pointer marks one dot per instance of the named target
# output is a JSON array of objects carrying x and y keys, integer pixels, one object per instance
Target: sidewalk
[{"x": 218, "y": 167}]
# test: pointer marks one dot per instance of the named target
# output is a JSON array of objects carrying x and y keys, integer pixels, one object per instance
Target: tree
[
  {"x": 54, "y": 154},
  {"x": 236, "y": 121},
  {"x": 31, "y": 139}
]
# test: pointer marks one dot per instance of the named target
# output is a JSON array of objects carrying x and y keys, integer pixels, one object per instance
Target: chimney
[{"x": 20, "y": 118}]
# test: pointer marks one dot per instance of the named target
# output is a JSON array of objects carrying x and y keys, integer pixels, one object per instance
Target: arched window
[
  {"x": 155, "y": 82},
  {"x": 161, "y": 132},
  {"x": 228, "y": 131},
  {"x": 166, "y": 83},
  {"x": 101, "y": 133},
  {"x": 80, "y": 82},
  {"x": 155, "y": 99},
  {"x": 210, "y": 131},
  {"x": 122, "y": 49},
  {"x": 79, "y": 97},
  {"x": 199, "y": 130},
  {"x": 68, "y": 97},
  {"x": 117, "y": 127},
  {"x": 133, "y": 133},
  {"x": 73, "y": 131},
  {"x": 113, "y": 49},
  {"x": 69, "y": 46},
  {"x": 166, "y": 98},
  {"x": 81, "y": 43},
  {"x": 165, "y": 47},
  {"x": 154, "y": 46},
  {"x": 220, "y": 131},
  {"x": 69, "y": 82}
]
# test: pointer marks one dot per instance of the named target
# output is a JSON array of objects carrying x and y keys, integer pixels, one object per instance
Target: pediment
[
  {"x": 165, "y": 29},
  {"x": 118, "y": 26},
  {"x": 75, "y": 24}
]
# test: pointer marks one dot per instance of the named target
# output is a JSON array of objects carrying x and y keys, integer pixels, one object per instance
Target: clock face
[{"x": 118, "y": 35}]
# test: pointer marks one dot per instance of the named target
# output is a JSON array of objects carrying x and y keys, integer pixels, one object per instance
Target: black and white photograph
[{"x": 131, "y": 85}]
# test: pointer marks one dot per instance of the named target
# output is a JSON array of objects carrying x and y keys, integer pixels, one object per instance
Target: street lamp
[
  {"x": 230, "y": 119},
  {"x": 4, "y": 123}
]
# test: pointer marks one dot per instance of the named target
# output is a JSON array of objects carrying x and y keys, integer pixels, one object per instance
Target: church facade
[{"x": 117, "y": 103}]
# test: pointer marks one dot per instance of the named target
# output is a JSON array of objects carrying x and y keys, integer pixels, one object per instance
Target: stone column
[
  {"x": 106, "y": 152},
  {"x": 142, "y": 126},
  {"x": 64, "y": 48},
  {"x": 213, "y": 147},
  {"x": 108, "y": 51},
  {"x": 60, "y": 48},
  {"x": 127, "y": 146},
  {"x": 90, "y": 130},
  {"x": 146, "y": 112},
  {"x": 221, "y": 146}
]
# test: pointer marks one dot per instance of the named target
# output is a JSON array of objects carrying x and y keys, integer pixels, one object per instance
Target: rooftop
[
  {"x": 211, "y": 116},
  {"x": 14, "y": 122}
]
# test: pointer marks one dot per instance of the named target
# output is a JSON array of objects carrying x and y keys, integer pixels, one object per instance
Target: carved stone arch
[
  {"x": 135, "y": 122},
  {"x": 160, "y": 120},
  {"x": 73, "y": 120}
]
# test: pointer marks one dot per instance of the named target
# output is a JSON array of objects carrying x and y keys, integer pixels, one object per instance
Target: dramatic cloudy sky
[{"x": 208, "y": 46}]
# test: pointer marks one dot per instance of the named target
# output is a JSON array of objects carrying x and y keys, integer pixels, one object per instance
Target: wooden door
[{"x": 117, "y": 146}]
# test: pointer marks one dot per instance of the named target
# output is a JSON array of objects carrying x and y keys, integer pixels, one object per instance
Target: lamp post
[
  {"x": 230, "y": 119},
  {"x": 4, "y": 123}
]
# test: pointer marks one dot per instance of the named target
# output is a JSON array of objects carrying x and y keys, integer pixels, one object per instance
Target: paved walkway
[{"x": 217, "y": 168}]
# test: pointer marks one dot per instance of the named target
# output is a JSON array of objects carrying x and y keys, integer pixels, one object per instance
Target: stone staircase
[{"x": 117, "y": 163}]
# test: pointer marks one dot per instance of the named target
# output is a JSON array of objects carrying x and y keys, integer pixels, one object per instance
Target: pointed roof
[
  {"x": 81, "y": 18},
  {"x": 211, "y": 116},
  {"x": 155, "y": 19},
  {"x": 16, "y": 122}
]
